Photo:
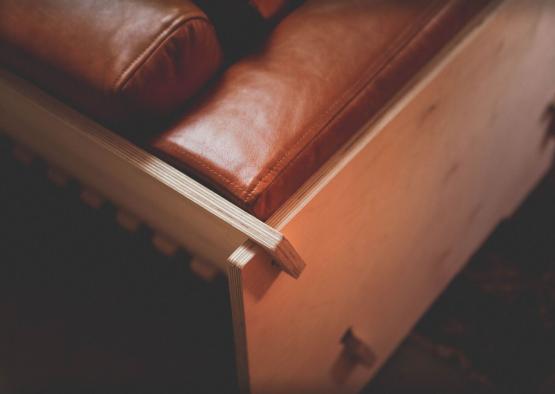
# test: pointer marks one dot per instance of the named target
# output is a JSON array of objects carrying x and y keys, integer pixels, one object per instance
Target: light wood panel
[
  {"x": 395, "y": 215},
  {"x": 172, "y": 203}
]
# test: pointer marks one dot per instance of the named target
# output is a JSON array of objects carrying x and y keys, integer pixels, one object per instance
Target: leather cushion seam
[
  {"x": 183, "y": 152},
  {"x": 406, "y": 37},
  {"x": 247, "y": 194}
]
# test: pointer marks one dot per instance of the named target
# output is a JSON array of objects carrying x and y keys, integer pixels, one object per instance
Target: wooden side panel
[{"x": 408, "y": 203}]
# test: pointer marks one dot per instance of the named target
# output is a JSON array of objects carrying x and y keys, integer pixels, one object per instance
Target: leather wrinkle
[{"x": 162, "y": 37}]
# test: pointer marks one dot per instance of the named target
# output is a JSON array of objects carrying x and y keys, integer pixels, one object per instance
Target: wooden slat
[
  {"x": 394, "y": 216},
  {"x": 174, "y": 204},
  {"x": 57, "y": 176},
  {"x": 92, "y": 198},
  {"x": 164, "y": 245},
  {"x": 127, "y": 221},
  {"x": 204, "y": 270}
]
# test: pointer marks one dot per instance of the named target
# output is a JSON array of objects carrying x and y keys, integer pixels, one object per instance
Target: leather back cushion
[{"x": 121, "y": 61}]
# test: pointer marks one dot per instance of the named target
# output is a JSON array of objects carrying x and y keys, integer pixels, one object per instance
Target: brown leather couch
[
  {"x": 252, "y": 124},
  {"x": 338, "y": 160}
]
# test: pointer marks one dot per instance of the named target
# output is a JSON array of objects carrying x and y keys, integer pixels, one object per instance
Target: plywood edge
[
  {"x": 374, "y": 126},
  {"x": 246, "y": 253},
  {"x": 242, "y": 255},
  {"x": 167, "y": 199},
  {"x": 284, "y": 252},
  {"x": 234, "y": 275}
]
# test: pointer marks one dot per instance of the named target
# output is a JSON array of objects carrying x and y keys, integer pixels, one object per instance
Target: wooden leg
[
  {"x": 204, "y": 270},
  {"x": 57, "y": 176},
  {"x": 127, "y": 220},
  {"x": 92, "y": 198},
  {"x": 164, "y": 245}
]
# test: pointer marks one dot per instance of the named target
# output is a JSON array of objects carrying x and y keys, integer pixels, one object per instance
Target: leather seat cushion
[
  {"x": 117, "y": 60},
  {"x": 274, "y": 117}
]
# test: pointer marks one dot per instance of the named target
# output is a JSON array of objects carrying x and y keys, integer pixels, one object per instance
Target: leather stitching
[
  {"x": 234, "y": 185},
  {"x": 335, "y": 109}
]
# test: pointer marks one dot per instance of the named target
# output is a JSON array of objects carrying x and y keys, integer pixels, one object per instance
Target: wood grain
[{"x": 396, "y": 214}]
